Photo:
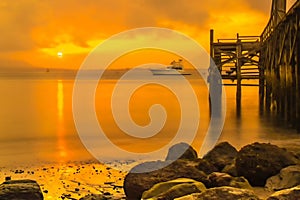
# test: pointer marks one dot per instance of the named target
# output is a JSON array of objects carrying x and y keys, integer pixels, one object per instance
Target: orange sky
[{"x": 34, "y": 31}]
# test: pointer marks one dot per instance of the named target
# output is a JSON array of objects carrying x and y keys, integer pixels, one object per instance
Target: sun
[{"x": 60, "y": 54}]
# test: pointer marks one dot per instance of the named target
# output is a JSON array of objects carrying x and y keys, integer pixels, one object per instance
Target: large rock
[
  {"x": 136, "y": 183},
  {"x": 20, "y": 190},
  {"x": 181, "y": 151},
  {"x": 287, "y": 194},
  {"x": 200, "y": 164},
  {"x": 223, "y": 193},
  {"x": 287, "y": 178},
  {"x": 205, "y": 166},
  {"x": 173, "y": 189},
  {"x": 217, "y": 179},
  {"x": 259, "y": 161},
  {"x": 221, "y": 155},
  {"x": 230, "y": 169}
]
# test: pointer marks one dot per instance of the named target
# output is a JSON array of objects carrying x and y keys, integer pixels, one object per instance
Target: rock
[
  {"x": 287, "y": 194},
  {"x": 136, "y": 183},
  {"x": 181, "y": 190},
  {"x": 287, "y": 178},
  {"x": 20, "y": 190},
  {"x": 217, "y": 179},
  {"x": 230, "y": 169},
  {"x": 94, "y": 197},
  {"x": 259, "y": 161},
  {"x": 205, "y": 166},
  {"x": 296, "y": 153},
  {"x": 224, "y": 193},
  {"x": 202, "y": 165},
  {"x": 173, "y": 189},
  {"x": 221, "y": 155},
  {"x": 104, "y": 196},
  {"x": 181, "y": 151},
  {"x": 159, "y": 188}
]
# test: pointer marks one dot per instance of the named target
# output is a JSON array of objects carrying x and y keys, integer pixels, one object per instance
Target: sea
[{"x": 59, "y": 118}]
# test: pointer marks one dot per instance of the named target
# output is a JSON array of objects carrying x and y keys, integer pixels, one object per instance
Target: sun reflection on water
[{"x": 62, "y": 154}]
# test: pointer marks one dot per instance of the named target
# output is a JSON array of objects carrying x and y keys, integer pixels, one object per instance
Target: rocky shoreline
[
  {"x": 258, "y": 171},
  {"x": 223, "y": 173}
]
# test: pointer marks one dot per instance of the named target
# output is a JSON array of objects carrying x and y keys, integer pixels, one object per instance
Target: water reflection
[
  {"x": 60, "y": 100},
  {"x": 60, "y": 122},
  {"x": 37, "y": 122}
]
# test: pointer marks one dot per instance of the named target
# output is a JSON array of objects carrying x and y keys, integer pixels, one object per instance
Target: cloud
[
  {"x": 190, "y": 12},
  {"x": 33, "y": 25},
  {"x": 17, "y": 20},
  {"x": 259, "y": 5},
  {"x": 48, "y": 23}
]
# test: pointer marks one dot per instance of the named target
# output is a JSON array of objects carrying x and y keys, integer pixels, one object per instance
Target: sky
[{"x": 35, "y": 33}]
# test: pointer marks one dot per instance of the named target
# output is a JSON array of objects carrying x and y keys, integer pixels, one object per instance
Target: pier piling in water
[
  {"x": 280, "y": 62},
  {"x": 272, "y": 58},
  {"x": 236, "y": 59}
]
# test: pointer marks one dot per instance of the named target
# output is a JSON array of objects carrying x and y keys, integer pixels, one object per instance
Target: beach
[
  {"x": 77, "y": 179},
  {"x": 71, "y": 180}
]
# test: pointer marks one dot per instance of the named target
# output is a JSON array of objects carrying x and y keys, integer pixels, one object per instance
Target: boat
[{"x": 175, "y": 68}]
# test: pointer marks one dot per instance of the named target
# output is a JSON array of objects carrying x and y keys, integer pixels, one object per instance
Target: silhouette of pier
[{"x": 271, "y": 58}]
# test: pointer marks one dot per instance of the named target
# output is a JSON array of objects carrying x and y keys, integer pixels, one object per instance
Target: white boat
[{"x": 176, "y": 68}]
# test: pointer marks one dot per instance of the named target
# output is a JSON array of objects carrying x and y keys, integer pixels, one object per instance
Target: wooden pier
[
  {"x": 271, "y": 58},
  {"x": 236, "y": 59}
]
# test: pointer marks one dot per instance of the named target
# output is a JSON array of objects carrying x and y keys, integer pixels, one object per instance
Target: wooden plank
[{"x": 243, "y": 84}]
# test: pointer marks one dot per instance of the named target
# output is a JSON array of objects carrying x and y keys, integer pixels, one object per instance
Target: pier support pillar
[
  {"x": 215, "y": 83},
  {"x": 238, "y": 76}
]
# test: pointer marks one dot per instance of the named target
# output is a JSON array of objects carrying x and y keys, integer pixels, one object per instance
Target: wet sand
[{"x": 71, "y": 180}]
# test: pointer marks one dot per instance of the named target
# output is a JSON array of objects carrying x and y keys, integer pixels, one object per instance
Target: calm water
[{"x": 37, "y": 124}]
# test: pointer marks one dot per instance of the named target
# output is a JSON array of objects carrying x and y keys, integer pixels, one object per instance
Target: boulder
[
  {"x": 20, "y": 190},
  {"x": 230, "y": 169},
  {"x": 200, "y": 164},
  {"x": 224, "y": 193},
  {"x": 205, "y": 166},
  {"x": 173, "y": 189},
  {"x": 181, "y": 151},
  {"x": 221, "y": 155},
  {"x": 217, "y": 179},
  {"x": 287, "y": 194},
  {"x": 136, "y": 183},
  {"x": 287, "y": 178},
  {"x": 259, "y": 161}
]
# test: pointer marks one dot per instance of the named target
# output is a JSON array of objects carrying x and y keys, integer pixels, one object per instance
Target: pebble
[
  {"x": 107, "y": 193},
  {"x": 19, "y": 171}
]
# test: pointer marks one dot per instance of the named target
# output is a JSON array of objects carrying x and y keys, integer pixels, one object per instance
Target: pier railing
[{"x": 273, "y": 22}]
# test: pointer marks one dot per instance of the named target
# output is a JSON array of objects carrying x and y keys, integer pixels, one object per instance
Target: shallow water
[{"x": 37, "y": 123}]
